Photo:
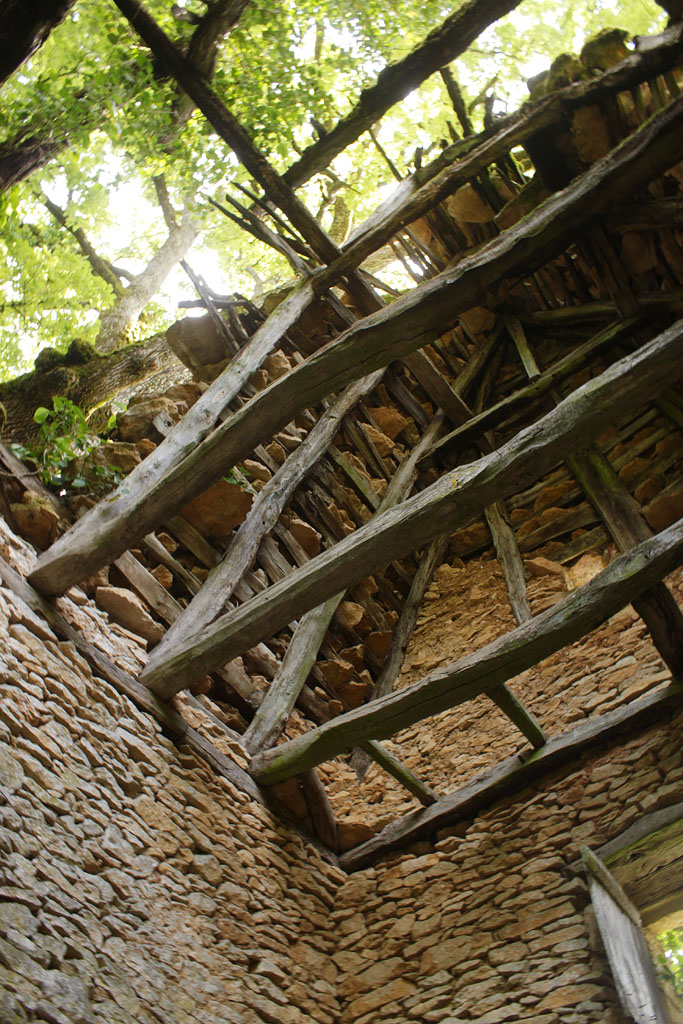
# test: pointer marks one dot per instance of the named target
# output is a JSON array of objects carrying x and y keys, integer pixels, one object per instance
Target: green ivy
[{"x": 64, "y": 437}]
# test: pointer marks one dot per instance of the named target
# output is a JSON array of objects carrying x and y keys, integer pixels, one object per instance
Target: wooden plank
[
  {"x": 570, "y": 619},
  {"x": 424, "y": 793},
  {"x": 185, "y": 436},
  {"x": 148, "y": 587},
  {"x": 510, "y": 561},
  {"x": 476, "y": 154},
  {"x": 514, "y": 774},
  {"x": 408, "y": 324},
  {"x": 597, "y": 869},
  {"x": 627, "y": 951},
  {"x": 193, "y": 540},
  {"x": 444, "y": 506}
]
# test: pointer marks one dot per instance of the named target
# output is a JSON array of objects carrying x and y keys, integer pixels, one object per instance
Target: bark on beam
[
  {"x": 408, "y": 324},
  {"x": 444, "y": 506},
  {"x": 570, "y": 619}
]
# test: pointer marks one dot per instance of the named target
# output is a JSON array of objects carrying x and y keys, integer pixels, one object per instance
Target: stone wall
[
  {"x": 137, "y": 886},
  {"x": 492, "y": 924}
]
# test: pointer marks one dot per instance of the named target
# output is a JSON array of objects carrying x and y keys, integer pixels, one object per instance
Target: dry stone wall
[
  {"x": 137, "y": 886},
  {"x": 492, "y": 924}
]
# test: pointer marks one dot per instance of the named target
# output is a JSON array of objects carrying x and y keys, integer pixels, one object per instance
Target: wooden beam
[
  {"x": 444, "y": 506},
  {"x": 514, "y": 774},
  {"x": 396, "y": 80},
  {"x": 570, "y": 619},
  {"x": 264, "y": 513},
  {"x": 408, "y": 324},
  {"x": 271, "y": 717},
  {"x": 657, "y": 607}
]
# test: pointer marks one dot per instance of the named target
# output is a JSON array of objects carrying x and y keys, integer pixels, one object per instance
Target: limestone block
[
  {"x": 390, "y": 421},
  {"x": 221, "y": 508},
  {"x": 138, "y": 419},
  {"x": 127, "y": 609},
  {"x": 309, "y": 538},
  {"x": 36, "y": 520}
]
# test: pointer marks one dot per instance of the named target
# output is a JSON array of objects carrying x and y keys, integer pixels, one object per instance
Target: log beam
[
  {"x": 444, "y": 506},
  {"x": 570, "y": 619},
  {"x": 408, "y": 324},
  {"x": 514, "y": 774}
]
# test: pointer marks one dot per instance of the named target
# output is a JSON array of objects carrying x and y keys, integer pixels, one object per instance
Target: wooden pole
[
  {"x": 450, "y": 502},
  {"x": 569, "y": 620}
]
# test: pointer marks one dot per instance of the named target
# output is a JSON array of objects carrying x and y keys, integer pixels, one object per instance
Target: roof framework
[{"x": 527, "y": 320}]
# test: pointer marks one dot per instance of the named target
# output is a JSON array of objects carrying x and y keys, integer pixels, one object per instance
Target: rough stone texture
[{"x": 137, "y": 886}]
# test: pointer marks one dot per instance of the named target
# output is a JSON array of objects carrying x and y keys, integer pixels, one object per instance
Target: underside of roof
[{"x": 519, "y": 403}]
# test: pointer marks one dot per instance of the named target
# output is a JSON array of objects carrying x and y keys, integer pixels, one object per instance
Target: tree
[{"x": 91, "y": 121}]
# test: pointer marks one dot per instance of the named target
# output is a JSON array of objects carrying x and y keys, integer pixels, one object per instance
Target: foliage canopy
[{"x": 288, "y": 69}]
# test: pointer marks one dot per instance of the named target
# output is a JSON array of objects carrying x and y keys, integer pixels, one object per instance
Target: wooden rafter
[
  {"x": 405, "y": 326},
  {"x": 450, "y": 502},
  {"x": 568, "y": 620}
]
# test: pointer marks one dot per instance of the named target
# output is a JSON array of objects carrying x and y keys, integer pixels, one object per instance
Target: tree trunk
[
  {"x": 87, "y": 379},
  {"x": 24, "y": 27},
  {"x": 117, "y": 322}
]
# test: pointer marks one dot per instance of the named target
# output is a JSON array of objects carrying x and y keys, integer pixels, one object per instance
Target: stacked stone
[
  {"x": 493, "y": 924},
  {"x": 135, "y": 885},
  {"x": 465, "y": 608}
]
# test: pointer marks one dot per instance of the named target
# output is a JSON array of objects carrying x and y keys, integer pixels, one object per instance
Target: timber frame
[{"x": 548, "y": 307}]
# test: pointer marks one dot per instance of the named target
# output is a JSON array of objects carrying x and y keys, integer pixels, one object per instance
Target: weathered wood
[
  {"x": 154, "y": 545},
  {"x": 281, "y": 696},
  {"x": 396, "y": 80},
  {"x": 149, "y": 588},
  {"x": 319, "y": 809},
  {"x": 627, "y": 951},
  {"x": 658, "y": 607},
  {"x": 514, "y": 774},
  {"x": 569, "y": 364},
  {"x": 450, "y": 502},
  {"x": 193, "y": 540},
  {"x": 570, "y": 619},
  {"x": 31, "y": 481},
  {"x": 393, "y": 332},
  {"x": 302, "y": 652},
  {"x": 82, "y": 539},
  {"x": 264, "y": 513},
  {"x": 510, "y": 561},
  {"x": 392, "y": 766},
  {"x": 513, "y": 709},
  {"x": 598, "y": 870}
]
